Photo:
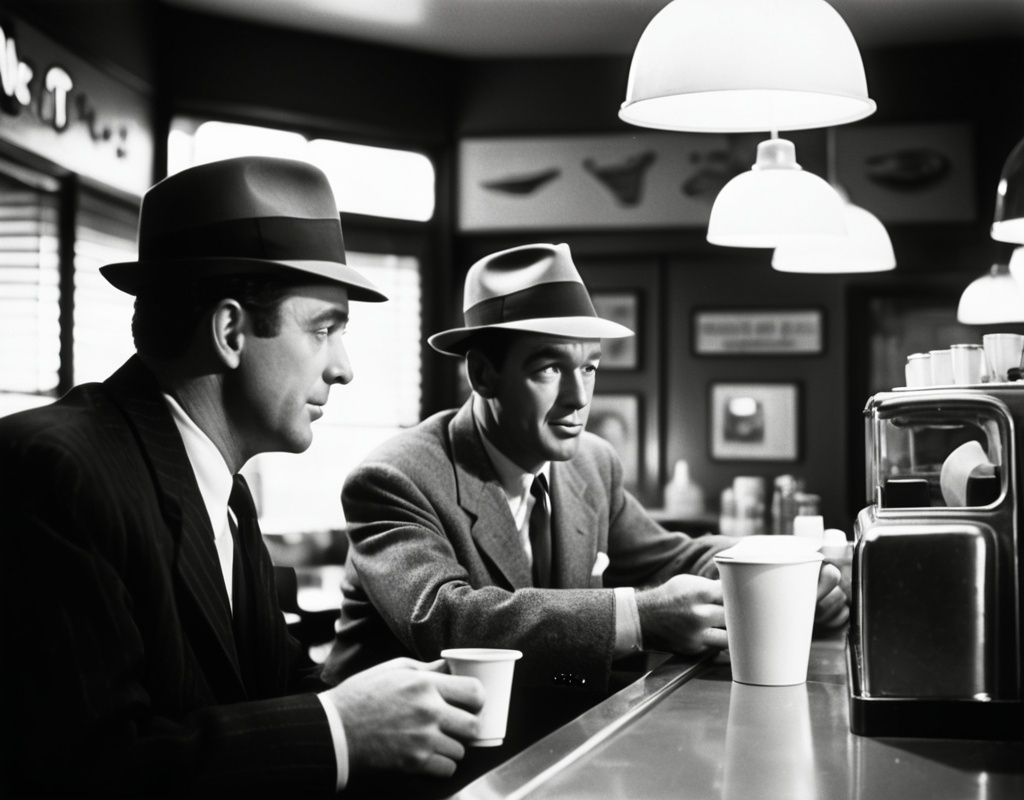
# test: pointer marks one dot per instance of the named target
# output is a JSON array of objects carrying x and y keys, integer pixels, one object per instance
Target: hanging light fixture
[
  {"x": 865, "y": 247},
  {"x": 994, "y": 298},
  {"x": 746, "y": 65},
  {"x": 774, "y": 201},
  {"x": 1008, "y": 222}
]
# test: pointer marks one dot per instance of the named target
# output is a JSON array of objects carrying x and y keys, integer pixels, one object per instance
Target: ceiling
[{"x": 562, "y": 28}]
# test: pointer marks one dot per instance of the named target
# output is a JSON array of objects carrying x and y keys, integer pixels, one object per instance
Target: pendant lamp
[
  {"x": 865, "y": 247},
  {"x": 774, "y": 201},
  {"x": 1008, "y": 222},
  {"x": 994, "y": 298},
  {"x": 731, "y": 66}
]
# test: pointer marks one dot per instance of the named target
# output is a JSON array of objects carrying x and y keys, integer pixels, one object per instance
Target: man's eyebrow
[
  {"x": 555, "y": 353},
  {"x": 333, "y": 315}
]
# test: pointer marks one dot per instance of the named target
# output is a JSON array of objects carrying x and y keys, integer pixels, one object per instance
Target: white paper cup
[
  {"x": 494, "y": 669},
  {"x": 770, "y": 591},
  {"x": 919, "y": 370},
  {"x": 1002, "y": 352},
  {"x": 942, "y": 367},
  {"x": 968, "y": 363}
]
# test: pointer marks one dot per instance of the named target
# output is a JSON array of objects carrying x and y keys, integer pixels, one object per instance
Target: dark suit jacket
[
  {"x": 435, "y": 559},
  {"x": 119, "y": 668}
]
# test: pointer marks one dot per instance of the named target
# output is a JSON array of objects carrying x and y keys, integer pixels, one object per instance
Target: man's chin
[{"x": 564, "y": 450}]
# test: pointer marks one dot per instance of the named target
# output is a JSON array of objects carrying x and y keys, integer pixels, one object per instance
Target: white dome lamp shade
[
  {"x": 994, "y": 298},
  {"x": 774, "y": 201},
  {"x": 1008, "y": 222},
  {"x": 865, "y": 247},
  {"x": 731, "y": 66}
]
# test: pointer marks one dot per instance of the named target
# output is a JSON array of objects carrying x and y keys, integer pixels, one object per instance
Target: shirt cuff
[
  {"x": 338, "y": 737},
  {"x": 628, "y": 637}
]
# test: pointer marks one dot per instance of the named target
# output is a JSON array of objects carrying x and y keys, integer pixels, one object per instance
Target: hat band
[
  {"x": 265, "y": 238},
  {"x": 559, "y": 299}
]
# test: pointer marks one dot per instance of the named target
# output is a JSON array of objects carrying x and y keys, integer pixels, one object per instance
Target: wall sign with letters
[
  {"x": 758, "y": 332},
  {"x": 56, "y": 105}
]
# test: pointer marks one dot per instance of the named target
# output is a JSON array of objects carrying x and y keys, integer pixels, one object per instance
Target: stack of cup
[
  {"x": 1003, "y": 352},
  {"x": 919, "y": 370},
  {"x": 968, "y": 363},
  {"x": 942, "y": 367}
]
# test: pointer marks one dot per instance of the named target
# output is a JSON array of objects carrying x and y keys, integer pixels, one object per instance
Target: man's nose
[
  {"x": 574, "y": 389},
  {"x": 339, "y": 369}
]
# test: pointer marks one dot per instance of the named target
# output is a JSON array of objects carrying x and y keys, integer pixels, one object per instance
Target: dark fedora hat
[
  {"x": 534, "y": 288},
  {"x": 241, "y": 216}
]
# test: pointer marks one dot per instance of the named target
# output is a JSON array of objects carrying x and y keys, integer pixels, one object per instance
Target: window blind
[
  {"x": 29, "y": 293},
  {"x": 104, "y": 234}
]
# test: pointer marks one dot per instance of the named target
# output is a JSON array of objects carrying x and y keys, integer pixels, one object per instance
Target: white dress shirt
[
  {"x": 215, "y": 482},
  {"x": 516, "y": 483}
]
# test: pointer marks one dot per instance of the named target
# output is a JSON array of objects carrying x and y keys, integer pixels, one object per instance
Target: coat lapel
[
  {"x": 196, "y": 565},
  {"x": 572, "y": 526},
  {"x": 481, "y": 497}
]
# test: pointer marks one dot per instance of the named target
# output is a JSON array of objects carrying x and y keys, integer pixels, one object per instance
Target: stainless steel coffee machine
[{"x": 935, "y": 642}]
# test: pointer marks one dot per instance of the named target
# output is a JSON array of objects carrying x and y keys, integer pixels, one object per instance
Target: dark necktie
[
  {"x": 245, "y": 533},
  {"x": 540, "y": 533}
]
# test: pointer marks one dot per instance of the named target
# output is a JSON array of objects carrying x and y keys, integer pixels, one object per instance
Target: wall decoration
[
  {"x": 627, "y": 180},
  {"x": 624, "y": 308},
  {"x": 917, "y": 172},
  {"x": 616, "y": 418},
  {"x": 734, "y": 332},
  {"x": 754, "y": 421}
]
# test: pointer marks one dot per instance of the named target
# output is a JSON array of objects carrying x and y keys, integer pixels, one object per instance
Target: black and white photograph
[{"x": 479, "y": 400}]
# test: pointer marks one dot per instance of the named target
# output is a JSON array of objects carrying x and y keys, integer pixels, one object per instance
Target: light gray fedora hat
[
  {"x": 534, "y": 288},
  {"x": 241, "y": 216}
]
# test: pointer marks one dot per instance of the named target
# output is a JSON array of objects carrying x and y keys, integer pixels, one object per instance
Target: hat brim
[
  {"x": 131, "y": 276},
  {"x": 457, "y": 341}
]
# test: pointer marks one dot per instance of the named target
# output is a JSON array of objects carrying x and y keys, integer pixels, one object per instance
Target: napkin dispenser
[{"x": 934, "y": 643}]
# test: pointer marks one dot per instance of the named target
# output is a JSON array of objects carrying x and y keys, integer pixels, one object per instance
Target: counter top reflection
[{"x": 686, "y": 730}]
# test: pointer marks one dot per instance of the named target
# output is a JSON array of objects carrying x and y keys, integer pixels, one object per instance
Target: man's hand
[
  {"x": 683, "y": 615},
  {"x": 408, "y": 715},
  {"x": 833, "y": 608}
]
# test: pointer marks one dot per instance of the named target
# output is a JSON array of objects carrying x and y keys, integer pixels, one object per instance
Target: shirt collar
[{"x": 212, "y": 474}]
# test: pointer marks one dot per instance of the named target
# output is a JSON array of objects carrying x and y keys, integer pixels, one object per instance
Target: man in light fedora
[
  {"x": 505, "y": 524},
  {"x": 144, "y": 649}
]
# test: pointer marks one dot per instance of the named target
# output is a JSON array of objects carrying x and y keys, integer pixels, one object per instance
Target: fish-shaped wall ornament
[{"x": 523, "y": 184}]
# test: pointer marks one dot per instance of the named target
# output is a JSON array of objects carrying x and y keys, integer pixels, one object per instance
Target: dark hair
[
  {"x": 493, "y": 344},
  {"x": 166, "y": 315}
]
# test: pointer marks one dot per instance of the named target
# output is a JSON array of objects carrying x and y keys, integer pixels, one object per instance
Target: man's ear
[
  {"x": 483, "y": 377},
  {"x": 227, "y": 331}
]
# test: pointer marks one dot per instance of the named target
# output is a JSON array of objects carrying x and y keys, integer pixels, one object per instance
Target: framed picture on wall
[
  {"x": 617, "y": 419},
  {"x": 622, "y": 307},
  {"x": 764, "y": 331},
  {"x": 754, "y": 421}
]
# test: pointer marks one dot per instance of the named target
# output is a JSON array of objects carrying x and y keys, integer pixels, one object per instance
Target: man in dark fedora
[
  {"x": 144, "y": 649},
  {"x": 505, "y": 524}
]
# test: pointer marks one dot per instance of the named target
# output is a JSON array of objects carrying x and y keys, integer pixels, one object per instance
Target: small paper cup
[
  {"x": 968, "y": 363},
  {"x": 494, "y": 669},
  {"x": 770, "y": 591},
  {"x": 942, "y": 367},
  {"x": 919, "y": 370},
  {"x": 1002, "y": 353}
]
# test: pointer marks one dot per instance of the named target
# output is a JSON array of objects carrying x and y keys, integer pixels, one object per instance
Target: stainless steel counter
[{"x": 685, "y": 730}]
